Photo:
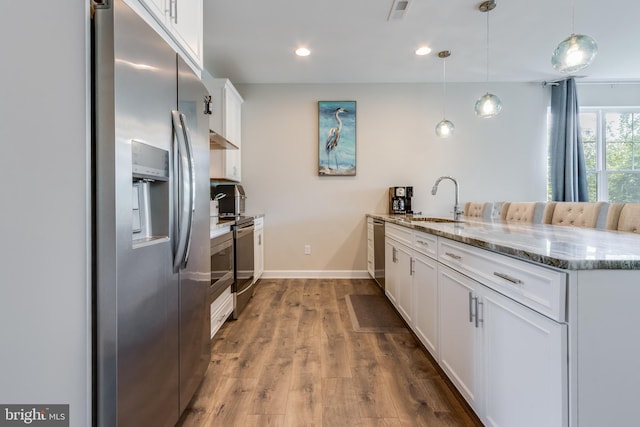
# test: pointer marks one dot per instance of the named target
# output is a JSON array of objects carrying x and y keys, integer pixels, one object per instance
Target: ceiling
[{"x": 351, "y": 41}]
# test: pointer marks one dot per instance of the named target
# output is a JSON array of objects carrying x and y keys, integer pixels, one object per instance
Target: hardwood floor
[{"x": 292, "y": 359}]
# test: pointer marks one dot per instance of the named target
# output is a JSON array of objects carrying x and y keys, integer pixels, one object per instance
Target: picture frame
[{"x": 337, "y": 138}]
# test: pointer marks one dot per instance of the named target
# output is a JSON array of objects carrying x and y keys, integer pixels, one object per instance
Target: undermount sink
[{"x": 433, "y": 219}]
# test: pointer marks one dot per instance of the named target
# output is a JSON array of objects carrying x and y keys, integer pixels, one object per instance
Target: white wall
[
  {"x": 608, "y": 95},
  {"x": 503, "y": 158},
  {"x": 44, "y": 223}
]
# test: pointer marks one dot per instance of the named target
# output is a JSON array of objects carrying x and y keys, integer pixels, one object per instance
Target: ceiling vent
[{"x": 398, "y": 10}]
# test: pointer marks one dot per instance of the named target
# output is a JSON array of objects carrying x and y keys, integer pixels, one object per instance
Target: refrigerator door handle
[
  {"x": 192, "y": 188},
  {"x": 184, "y": 192}
]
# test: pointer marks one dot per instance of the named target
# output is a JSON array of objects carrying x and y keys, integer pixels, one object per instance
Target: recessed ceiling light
[
  {"x": 423, "y": 50},
  {"x": 303, "y": 51}
]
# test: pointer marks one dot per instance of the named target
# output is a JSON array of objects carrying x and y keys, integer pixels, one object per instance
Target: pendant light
[
  {"x": 444, "y": 128},
  {"x": 576, "y": 51},
  {"x": 488, "y": 105}
]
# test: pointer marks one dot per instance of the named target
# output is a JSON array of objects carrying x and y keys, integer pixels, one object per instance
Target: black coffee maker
[{"x": 400, "y": 200}]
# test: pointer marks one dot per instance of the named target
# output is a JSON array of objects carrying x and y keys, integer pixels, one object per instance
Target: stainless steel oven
[
  {"x": 222, "y": 265},
  {"x": 244, "y": 269}
]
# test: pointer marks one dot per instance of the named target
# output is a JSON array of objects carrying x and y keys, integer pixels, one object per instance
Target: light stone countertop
[
  {"x": 218, "y": 226},
  {"x": 570, "y": 248}
]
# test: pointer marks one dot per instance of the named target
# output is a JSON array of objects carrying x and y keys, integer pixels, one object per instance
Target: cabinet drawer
[
  {"x": 425, "y": 243},
  {"x": 401, "y": 234},
  {"x": 540, "y": 288},
  {"x": 221, "y": 309},
  {"x": 215, "y": 305}
]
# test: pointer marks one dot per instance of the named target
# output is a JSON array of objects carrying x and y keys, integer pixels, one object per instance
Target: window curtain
[{"x": 568, "y": 172}]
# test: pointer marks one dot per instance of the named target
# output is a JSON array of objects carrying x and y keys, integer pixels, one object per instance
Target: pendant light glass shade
[
  {"x": 574, "y": 53},
  {"x": 488, "y": 105},
  {"x": 444, "y": 128}
]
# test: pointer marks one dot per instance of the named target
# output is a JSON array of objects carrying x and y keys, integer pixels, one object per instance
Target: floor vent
[{"x": 398, "y": 10}]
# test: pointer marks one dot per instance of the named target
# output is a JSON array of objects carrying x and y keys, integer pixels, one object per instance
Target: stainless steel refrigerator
[{"x": 151, "y": 224}]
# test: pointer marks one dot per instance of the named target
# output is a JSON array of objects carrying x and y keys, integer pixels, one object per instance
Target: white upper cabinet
[
  {"x": 182, "y": 21},
  {"x": 187, "y": 27},
  {"x": 226, "y": 120},
  {"x": 156, "y": 7}
]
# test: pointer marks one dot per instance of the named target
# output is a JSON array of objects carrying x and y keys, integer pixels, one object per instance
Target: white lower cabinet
[
  {"x": 425, "y": 297},
  {"x": 399, "y": 269},
  {"x": 506, "y": 358},
  {"x": 411, "y": 286},
  {"x": 220, "y": 310},
  {"x": 370, "y": 249},
  {"x": 524, "y": 364},
  {"x": 404, "y": 283},
  {"x": 459, "y": 341},
  {"x": 258, "y": 249},
  {"x": 391, "y": 270}
]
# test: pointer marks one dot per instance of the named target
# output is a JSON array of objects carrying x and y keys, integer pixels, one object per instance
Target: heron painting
[{"x": 337, "y": 138}]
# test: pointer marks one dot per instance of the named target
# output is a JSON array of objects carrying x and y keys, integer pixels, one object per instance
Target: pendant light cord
[
  {"x": 487, "y": 47},
  {"x": 573, "y": 16},
  {"x": 444, "y": 87}
]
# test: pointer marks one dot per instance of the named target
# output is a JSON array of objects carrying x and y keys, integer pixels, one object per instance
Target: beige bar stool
[
  {"x": 629, "y": 218},
  {"x": 613, "y": 215},
  {"x": 478, "y": 210},
  {"x": 580, "y": 214},
  {"x": 523, "y": 212}
]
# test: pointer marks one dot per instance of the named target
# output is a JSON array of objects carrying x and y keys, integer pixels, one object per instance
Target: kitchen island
[{"x": 534, "y": 324}]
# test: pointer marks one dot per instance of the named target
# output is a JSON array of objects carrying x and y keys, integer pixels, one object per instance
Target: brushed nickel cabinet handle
[
  {"x": 479, "y": 304},
  {"x": 454, "y": 256},
  {"x": 508, "y": 278}
]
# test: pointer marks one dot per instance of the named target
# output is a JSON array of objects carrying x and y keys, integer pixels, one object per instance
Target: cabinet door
[
  {"x": 258, "y": 249},
  {"x": 458, "y": 333},
  {"x": 185, "y": 23},
  {"x": 182, "y": 20},
  {"x": 158, "y": 8},
  {"x": 233, "y": 132},
  {"x": 425, "y": 296},
  {"x": 391, "y": 270},
  {"x": 227, "y": 121},
  {"x": 525, "y": 365},
  {"x": 370, "y": 249},
  {"x": 404, "y": 292}
]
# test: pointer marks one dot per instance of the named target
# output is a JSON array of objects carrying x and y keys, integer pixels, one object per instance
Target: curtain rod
[
  {"x": 556, "y": 83},
  {"x": 629, "y": 82}
]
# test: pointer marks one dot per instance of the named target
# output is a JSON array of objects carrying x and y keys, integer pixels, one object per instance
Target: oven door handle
[
  {"x": 244, "y": 230},
  {"x": 221, "y": 246}
]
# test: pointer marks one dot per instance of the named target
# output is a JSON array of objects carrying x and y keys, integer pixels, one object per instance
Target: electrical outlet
[{"x": 307, "y": 249}]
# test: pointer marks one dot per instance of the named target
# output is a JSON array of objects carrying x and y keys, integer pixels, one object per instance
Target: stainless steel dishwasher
[{"x": 378, "y": 251}]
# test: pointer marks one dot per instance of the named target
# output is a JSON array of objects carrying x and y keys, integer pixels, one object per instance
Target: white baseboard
[{"x": 315, "y": 274}]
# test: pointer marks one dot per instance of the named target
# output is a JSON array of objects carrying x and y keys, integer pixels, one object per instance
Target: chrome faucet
[{"x": 456, "y": 208}]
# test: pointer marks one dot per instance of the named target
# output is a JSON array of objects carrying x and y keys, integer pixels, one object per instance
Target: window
[{"x": 611, "y": 139}]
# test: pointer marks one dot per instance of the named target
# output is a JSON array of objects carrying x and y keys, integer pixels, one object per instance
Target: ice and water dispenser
[{"x": 151, "y": 193}]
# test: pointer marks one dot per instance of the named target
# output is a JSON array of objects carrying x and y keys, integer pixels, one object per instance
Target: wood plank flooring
[{"x": 292, "y": 359}]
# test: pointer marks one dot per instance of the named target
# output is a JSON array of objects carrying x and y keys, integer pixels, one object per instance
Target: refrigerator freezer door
[{"x": 195, "y": 277}]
